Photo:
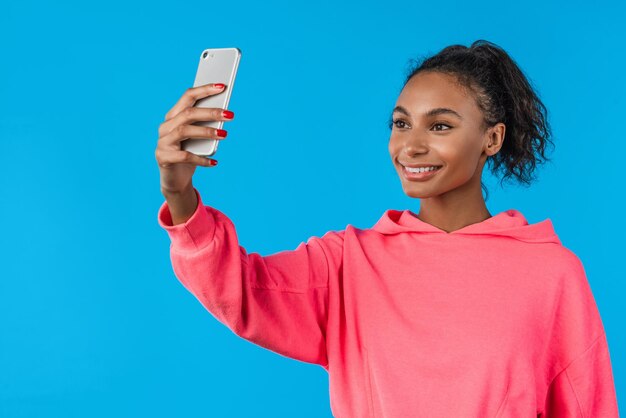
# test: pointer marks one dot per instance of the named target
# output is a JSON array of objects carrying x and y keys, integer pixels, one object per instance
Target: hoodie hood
[{"x": 509, "y": 223}]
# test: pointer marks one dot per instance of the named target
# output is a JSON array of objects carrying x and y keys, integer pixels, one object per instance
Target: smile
[{"x": 419, "y": 174}]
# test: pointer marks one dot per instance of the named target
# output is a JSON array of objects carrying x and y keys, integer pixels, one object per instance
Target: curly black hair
[{"x": 504, "y": 94}]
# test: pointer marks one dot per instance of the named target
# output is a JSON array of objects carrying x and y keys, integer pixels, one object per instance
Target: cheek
[
  {"x": 393, "y": 146},
  {"x": 458, "y": 158}
]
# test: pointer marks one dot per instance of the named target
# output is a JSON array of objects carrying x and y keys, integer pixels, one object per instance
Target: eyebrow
[{"x": 432, "y": 112}]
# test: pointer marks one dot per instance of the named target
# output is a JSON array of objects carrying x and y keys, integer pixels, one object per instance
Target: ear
[{"x": 495, "y": 138}]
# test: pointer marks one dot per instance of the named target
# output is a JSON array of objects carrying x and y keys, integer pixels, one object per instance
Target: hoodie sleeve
[
  {"x": 583, "y": 385},
  {"x": 278, "y": 301}
]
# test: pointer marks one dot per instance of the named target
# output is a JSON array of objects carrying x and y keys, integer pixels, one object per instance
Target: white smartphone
[{"x": 217, "y": 65}]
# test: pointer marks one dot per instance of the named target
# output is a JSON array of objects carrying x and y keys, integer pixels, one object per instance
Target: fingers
[
  {"x": 167, "y": 158},
  {"x": 191, "y": 96},
  {"x": 182, "y": 132},
  {"x": 194, "y": 114},
  {"x": 177, "y": 127}
]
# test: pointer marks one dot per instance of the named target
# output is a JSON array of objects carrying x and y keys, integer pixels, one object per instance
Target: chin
[{"x": 417, "y": 192}]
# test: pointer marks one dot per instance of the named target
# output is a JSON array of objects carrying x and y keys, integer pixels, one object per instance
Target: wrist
[
  {"x": 177, "y": 192},
  {"x": 182, "y": 205}
]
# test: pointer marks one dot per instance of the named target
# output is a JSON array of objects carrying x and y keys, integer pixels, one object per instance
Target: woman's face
[{"x": 453, "y": 139}]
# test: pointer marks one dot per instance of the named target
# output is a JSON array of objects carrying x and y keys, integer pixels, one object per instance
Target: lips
[
  {"x": 425, "y": 175},
  {"x": 421, "y": 165}
]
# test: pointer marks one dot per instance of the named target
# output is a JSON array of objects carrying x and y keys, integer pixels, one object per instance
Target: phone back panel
[{"x": 217, "y": 65}]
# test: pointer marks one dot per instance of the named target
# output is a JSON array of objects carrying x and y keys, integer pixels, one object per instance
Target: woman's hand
[{"x": 176, "y": 165}]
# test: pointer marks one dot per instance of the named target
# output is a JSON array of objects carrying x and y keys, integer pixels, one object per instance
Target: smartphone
[{"x": 217, "y": 65}]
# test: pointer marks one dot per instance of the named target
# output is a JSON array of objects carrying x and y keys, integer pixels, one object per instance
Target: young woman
[{"x": 451, "y": 312}]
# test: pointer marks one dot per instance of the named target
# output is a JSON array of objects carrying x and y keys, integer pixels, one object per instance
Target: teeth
[{"x": 420, "y": 170}]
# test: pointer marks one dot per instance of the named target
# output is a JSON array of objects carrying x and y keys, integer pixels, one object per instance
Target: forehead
[{"x": 431, "y": 89}]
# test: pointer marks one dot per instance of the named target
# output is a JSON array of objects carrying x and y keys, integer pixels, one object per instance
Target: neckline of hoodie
[{"x": 463, "y": 229}]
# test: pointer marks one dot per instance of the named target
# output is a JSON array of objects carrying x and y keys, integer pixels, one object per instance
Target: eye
[
  {"x": 404, "y": 124},
  {"x": 393, "y": 123},
  {"x": 442, "y": 124}
]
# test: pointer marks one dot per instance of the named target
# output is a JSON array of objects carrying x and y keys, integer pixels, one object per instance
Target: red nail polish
[
  {"x": 221, "y": 132},
  {"x": 219, "y": 85},
  {"x": 228, "y": 114}
]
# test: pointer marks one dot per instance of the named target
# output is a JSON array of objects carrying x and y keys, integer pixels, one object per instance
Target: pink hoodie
[{"x": 496, "y": 319}]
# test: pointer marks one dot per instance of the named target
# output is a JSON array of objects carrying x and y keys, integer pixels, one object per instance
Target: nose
[{"x": 414, "y": 146}]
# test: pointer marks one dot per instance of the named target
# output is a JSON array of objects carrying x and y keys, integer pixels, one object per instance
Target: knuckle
[
  {"x": 179, "y": 157},
  {"x": 188, "y": 157},
  {"x": 181, "y": 130},
  {"x": 188, "y": 112},
  {"x": 161, "y": 160}
]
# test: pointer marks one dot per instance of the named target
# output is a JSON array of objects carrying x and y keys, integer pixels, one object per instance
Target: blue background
[{"x": 93, "y": 321}]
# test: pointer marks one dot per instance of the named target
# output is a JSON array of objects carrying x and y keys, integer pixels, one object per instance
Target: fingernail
[
  {"x": 221, "y": 132},
  {"x": 228, "y": 114},
  {"x": 219, "y": 85},
  {"x": 213, "y": 162}
]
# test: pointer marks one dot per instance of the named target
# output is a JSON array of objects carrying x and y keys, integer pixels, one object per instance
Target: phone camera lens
[{"x": 205, "y": 54}]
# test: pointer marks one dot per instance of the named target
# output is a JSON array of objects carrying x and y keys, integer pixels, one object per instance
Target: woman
[{"x": 451, "y": 312}]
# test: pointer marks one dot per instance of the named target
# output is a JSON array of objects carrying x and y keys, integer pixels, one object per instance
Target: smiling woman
[
  {"x": 449, "y": 313},
  {"x": 461, "y": 109}
]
